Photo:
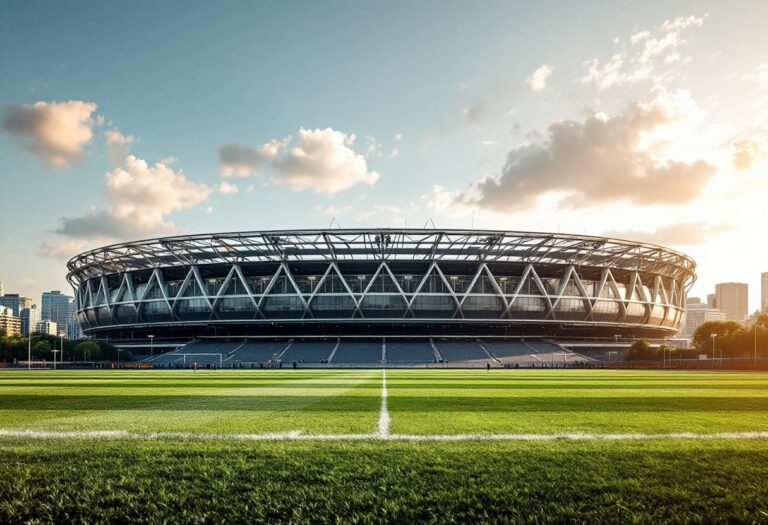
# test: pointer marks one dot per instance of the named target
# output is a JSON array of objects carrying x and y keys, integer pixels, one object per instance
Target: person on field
[
  {"x": 194, "y": 366},
  {"x": 487, "y": 367}
]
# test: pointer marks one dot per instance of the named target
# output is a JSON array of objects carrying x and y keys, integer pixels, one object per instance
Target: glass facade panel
[
  {"x": 283, "y": 307},
  {"x": 258, "y": 285},
  {"x": 193, "y": 310},
  {"x": 657, "y": 315},
  {"x": 235, "y": 308},
  {"x": 433, "y": 306},
  {"x": 383, "y": 284},
  {"x": 571, "y": 308},
  {"x": 125, "y": 313},
  {"x": 383, "y": 306},
  {"x": 459, "y": 283},
  {"x": 636, "y": 312},
  {"x": 332, "y": 306},
  {"x": 156, "y": 311},
  {"x": 528, "y": 308},
  {"x": 154, "y": 292},
  {"x": 552, "y": 285},
  {"x": 607, "y": 311},
  {"x": 482, "y": 307},
  {"x": 103, "y": 316}
]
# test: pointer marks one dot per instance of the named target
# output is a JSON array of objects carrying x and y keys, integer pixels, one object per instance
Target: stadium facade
[{"x": 380, "y": 282}]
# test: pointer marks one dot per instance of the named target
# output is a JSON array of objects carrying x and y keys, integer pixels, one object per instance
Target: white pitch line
[
  {"x": 383, "y": 430},
  {"x": 297, "y": 435}
]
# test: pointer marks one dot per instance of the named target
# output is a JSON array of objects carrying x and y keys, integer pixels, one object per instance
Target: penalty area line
[{"x": 297, "y": 435}]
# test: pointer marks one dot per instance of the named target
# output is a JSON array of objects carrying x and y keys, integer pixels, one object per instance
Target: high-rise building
[
  {"x": 15, "y": 302},
  {"x": 764, "y": 291},
  {"x": 711, "y": 300},
  {"x": 697, "y": 315},
  {"x": 9, "y": 324},
  {"x": 47, "y": 327},
  {"x": 59, "y": 308},
  {"x": 29, "y": 319},
  {"x": 693, "y": 300},
  {"x": 733, "y": 300}
]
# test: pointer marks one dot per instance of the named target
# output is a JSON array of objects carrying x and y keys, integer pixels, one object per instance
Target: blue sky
[{"x": 382, "y": 114}]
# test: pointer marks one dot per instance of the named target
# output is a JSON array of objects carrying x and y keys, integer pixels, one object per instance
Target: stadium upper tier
[{"x": 379, "y": 281}]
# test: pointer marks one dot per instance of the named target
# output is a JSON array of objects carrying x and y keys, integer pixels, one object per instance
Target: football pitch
[{"x": 371, "y": 445}]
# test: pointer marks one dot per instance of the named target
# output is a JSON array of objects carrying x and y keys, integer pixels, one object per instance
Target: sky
[{"x": 129, "y": 120}]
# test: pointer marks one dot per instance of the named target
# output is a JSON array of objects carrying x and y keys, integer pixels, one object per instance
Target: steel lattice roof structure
[
  {"x": 382, "y": 245},
  {"x": 463, "y": 281}
]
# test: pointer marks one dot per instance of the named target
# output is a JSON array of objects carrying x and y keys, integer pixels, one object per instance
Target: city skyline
[{"x": 213, "y": 120}]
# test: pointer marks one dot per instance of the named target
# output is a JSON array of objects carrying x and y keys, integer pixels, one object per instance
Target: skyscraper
[
  {"x": 9, "y": 323},
  {"x": 15, "y": 302},
  {"x": 711, "y": 300},
  {"x": 697, "y": 315},
  {"x": 59, "y": 308},
  {"x": 733, "y": 299},
  {"x": 29, "y": 319},
  {"x": 764, "y": 291}
]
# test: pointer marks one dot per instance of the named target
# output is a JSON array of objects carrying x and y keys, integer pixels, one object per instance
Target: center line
[{"x": 383, "y": 432}]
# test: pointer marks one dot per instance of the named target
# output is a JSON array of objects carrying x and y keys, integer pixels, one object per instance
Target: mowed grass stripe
[
  {"x": 314, "y": 401},
  {"x": 562, "y": 401}
]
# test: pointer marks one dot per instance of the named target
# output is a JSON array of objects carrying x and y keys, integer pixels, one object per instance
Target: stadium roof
[{"x": 382, "y": 244}]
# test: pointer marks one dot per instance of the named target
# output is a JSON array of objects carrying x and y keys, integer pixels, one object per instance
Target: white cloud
[
  {"x": 749, "y": 151},
  {"x": 333, "y": 210},
  {"x": 140, "y": 197},
  {"x": 237, "y": 160},
  {"x": 600, "y": 160},
  {"x": 395, "y": 152},
  {"x": 322, "y": 160},
  {"x": 398, "y": 137},
  {"x": 681, "y": 234},
  {"x": 649, "y": 52},
  {"x": 538, "y": 79},
  {"x": 227, "y": 188},
  {"x": 475, "y": 112},
  {"x": 62, "y": 249},
  {"x": 57, "y": 132},
  {"x": 372, "y": 147},
  {"x": 117, "y": 146}
]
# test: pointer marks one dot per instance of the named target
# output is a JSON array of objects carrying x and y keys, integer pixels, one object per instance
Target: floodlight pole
[
  {"x": 755, "y": 342},
  {"x": 29, "y": 348},
  {"x": 151, "y": 345},
  {"x": 54, "y": 358},
  {"x": 713, "y": 336}
]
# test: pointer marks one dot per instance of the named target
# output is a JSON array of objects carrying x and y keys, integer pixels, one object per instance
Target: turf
[
  {"x": 211, "y": 480},
  {"x": 420, "y": 402},
  {"x": 80, "y": 481}
]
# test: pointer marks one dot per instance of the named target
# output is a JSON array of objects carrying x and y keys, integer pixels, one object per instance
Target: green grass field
[{"x": 180, "y": 462}]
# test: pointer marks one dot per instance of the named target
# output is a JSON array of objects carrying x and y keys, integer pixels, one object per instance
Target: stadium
[{"x": 378, "y": 295}]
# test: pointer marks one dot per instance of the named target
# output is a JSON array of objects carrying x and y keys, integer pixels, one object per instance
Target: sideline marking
[
  {"x": 297, "y": 435},
  {"x": 383, "y": 431}
]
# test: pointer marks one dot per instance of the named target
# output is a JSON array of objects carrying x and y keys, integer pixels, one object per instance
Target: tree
[
  {"x": 730, "y": 340},
  {"x": 642, "y": 351},
  {"x": 87, "y": 349},
  {"x": 42, "y": 350}
]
